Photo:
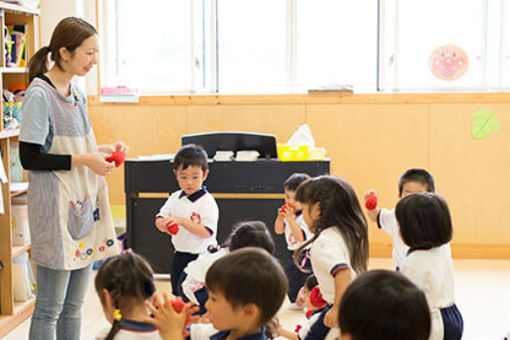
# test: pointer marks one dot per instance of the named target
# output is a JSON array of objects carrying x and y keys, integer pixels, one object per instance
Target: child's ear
[
  {"x": 206, "y": 172},
  {"x": 107, "y": 298},
  {"x": 315, "y": 211},
  {"x": 251, "y": 311}
]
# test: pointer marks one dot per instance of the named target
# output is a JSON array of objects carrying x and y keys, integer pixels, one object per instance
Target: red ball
[
  {"x": 371, "y": 202},
  {"x": 117, "y": 157},
  {"x": 285, "y": 207},
  {"x": 172, "y": 228},
  {"x": 178, "y": 305}
]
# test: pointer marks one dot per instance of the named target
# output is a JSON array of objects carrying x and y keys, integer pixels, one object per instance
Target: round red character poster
[{"x": 448, "y": 62}]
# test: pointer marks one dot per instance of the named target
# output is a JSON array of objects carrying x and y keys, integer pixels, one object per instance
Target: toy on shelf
[
  {"x": 371, "y": 202},
  {"x": 117, "y": 157}
]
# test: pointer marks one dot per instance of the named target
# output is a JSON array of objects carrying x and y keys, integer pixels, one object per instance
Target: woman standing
[{"x": 69, "y": 215}]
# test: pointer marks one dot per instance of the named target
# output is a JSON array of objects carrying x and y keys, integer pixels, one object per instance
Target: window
[{"x": 289, "y": 46}]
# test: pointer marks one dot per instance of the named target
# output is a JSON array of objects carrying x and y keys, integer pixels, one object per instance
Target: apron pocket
[{"x": 80, "y": 221}]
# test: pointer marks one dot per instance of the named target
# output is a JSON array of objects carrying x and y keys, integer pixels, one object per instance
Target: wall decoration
[
  {"x": 448, "y": 62},
  {"x": 485, "y": 123}
]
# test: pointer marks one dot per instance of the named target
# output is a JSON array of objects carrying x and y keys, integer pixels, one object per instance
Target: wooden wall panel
[
  {"x": 372, "y": 145},
  {"x": 474, "y": 173},
  {"x": 280, "y": 120},
  {"x": 145, "y": 129}
]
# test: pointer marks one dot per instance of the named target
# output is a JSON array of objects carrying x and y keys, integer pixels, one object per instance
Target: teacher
[{"x": 68, "y": 211}]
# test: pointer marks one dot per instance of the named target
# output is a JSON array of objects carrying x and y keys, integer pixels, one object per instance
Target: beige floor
[{"x": 482, "y": 291}]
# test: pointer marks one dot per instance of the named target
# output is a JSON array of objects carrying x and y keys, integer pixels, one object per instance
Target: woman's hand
[
  {"x": 109, "y": 148},
  {"x": 97, "y": 163}
]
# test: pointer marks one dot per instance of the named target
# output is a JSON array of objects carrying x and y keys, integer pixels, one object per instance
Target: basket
[{"x": 292, "y": 153}]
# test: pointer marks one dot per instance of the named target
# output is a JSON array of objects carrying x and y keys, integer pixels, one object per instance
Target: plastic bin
[{"x": 293, "y": 153}]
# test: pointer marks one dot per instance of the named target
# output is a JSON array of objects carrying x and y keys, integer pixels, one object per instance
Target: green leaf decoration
[{"x": 485, "y": 123}]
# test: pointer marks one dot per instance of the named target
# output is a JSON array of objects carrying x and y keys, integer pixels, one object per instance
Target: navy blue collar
[
  {"x": 137, "y": 326},
  {"x": 298, "y": 213},
  {"x": 196, "y": 195},
  {"x": 256, "y": 336},
  {"x": 413, "y": 249},
  {"x": 320, "y": 310}
]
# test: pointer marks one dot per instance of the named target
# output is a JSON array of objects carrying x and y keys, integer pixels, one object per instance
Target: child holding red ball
[
  {"x": 189, "y": 215},
  {"x": 291, "y": 223}
]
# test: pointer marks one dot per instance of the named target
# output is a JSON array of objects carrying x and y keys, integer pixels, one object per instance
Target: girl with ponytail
[
  {"x": 124, "y": 283},
  {"x": 339, "y": 250}
]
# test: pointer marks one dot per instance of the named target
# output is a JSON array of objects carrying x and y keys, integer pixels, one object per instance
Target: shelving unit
[{"x": 12, "y": 313}]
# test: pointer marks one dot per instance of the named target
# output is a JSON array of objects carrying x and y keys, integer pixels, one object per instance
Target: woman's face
[{"x": 84, "y": 57}]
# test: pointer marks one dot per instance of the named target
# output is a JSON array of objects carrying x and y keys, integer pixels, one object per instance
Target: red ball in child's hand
[
  {"x": 371, "y": 202},
  {"x": 178, "y": 305},
  {"x": 117, "y": 157},
  {"x": 285, "y": 207},
  {"x": 172, "y": 228}
]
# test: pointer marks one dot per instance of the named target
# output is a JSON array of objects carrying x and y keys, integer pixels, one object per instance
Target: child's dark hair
[
  {"x": 249, "y": 275},
  {"x": 311, "y": 281},
  {"x": 421, "y": 176},
  {"x": 129, "y": 279},
  {"x": 248, "y": 234},
  {"x": 424, "y": 220},
  {"x": 70, "y": 33},
  {"x": 384, "y": 305},
  {"x": 190, "y": 155},
  {"x": 339, "y": 207},
  {"x": 294, "y": 181}
]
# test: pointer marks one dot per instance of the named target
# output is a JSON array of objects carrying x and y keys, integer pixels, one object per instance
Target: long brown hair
[
  {"x": 339, "y": 207},
  {"x": 69, "y": 33}
]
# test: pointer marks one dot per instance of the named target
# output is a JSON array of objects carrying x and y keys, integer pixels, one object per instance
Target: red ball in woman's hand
[
  {"x": 117, "y": 157},
  {"x": 371, "y": 202}
]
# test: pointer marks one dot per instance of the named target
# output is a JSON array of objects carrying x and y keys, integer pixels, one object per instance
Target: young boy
[
  {"x": 412, "y": 181},
  {"x": 314, "y": 304},
  {"x": 192, "y": 209},
  {"x": 290, "y": 221},
  {"x": 246, "y": 289}
]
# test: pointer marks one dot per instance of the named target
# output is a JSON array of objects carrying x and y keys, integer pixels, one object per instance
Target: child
[
  {"x": 192, "y": 209},
  {"x": 425, "y": 226},
  {"x": 411, "y": 181},
  {"x": 123, "y": 283},
  {"x": 339, "y": 249},
  {"x": 244, "y": 234},
  {"x": 314, "y": 303},
  {"x": 384, "y": 305},
  {"x": 246, "y": 289},
  {"x": 290, "y": 221}
]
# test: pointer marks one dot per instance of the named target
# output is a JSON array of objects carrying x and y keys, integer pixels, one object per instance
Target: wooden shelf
[
  {"x": 21, "y": 9},
  {"x": 9, "y": 133},
  {"x": 18, "y": 250},
  {"x": 22, "y": 311},
  {"x": 13, "y": 69}
]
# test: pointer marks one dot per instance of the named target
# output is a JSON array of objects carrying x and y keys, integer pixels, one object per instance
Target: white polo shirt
[
  {"x": 387, "y": 221},
  {"x": 432, "y": 271},
  {"x": 199, "y": 207},
  {"x": 329, "y": 254},
  {"x": 292, "y": 243}
]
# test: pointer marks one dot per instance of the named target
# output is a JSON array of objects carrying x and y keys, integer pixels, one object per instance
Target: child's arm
[
  {"x": 279, "y": 227},
  {"x": 294, "y": 227},
  {"x": 195, "y": 228},
  {"x": 342, "y": 281},
  {"x": 285, "y": 333},
  {"x": 163, "y": 217},
  {"x": 372, "y": 214}
]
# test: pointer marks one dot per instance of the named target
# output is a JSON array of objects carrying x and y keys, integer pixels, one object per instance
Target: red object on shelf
[
  {"x": 285, "y": 207},
  {"x": 117, "y": 157},
  {"x": 172, "y": 228},
  {"x": 371, "y": 202}
]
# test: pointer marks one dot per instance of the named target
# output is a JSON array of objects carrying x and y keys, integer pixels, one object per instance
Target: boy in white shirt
[
  {"x": 189, "y": 215},
  {"x": 412, "y": 181}
]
